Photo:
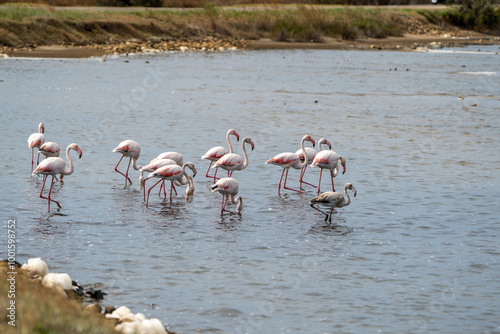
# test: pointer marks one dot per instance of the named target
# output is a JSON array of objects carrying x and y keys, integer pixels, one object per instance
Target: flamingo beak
[{"x": 79, "y": 153}]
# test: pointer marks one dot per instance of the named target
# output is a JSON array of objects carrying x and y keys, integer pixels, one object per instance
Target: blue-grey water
[{"x": 416, "y": 251}]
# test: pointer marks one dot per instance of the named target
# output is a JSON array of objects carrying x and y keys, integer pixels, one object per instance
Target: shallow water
[{"x": 416, "y": 251}]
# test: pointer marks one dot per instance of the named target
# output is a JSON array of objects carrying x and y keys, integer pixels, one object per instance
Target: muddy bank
[{"x": 408, "y": 42}]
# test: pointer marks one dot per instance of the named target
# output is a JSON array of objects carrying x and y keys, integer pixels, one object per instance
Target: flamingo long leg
[
  {"x": 32, "y": 160},
  {"x": 50, "y": 192},
  {"x": 331, "y": 173},
  {"x": 323, "y": 212},
  {"x": 144, "y": 187},
  {"x": 285, "y": 187},
  {"x": 149, "y": 191},
  {"x": 301, "y": 179},
  {"x": 281, "y": 178},
  {"x": 126, "y": 175},
  {"x": 319, "y": 183},
  {"x": 215, "y": 173}
]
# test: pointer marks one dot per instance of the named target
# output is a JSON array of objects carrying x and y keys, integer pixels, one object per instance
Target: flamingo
[
  {"x": 332, "y": 200},
  {"x": 151, "y": 167},
  {"x": 36, "y": 140},
  {"x": 55, "y": 165},
  {"x": 176, "y": 175},
  {"x": 328, "y": 159},
  {"x": 50, "y": 149},
  {"x": 228, "y": 187},
  {"x": 311, "y": 153},
  {"x": 216, "y": 152},
  {"x": 132, "y": 150},
  {"x": 177, "y": 157},
  {"x": 233, "y": 161},
  {"x": 289, "y": 159}
]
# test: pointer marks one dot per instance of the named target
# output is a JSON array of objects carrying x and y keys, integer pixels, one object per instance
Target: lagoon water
[{"x": 417, "y": 250}]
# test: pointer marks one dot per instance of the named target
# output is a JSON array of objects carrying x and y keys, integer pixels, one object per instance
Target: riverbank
[
  {"x": 34, "y": 31},
  {"x": 405, "y": 43}
]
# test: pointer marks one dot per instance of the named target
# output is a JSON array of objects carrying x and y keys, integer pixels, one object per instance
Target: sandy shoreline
[{"x": 405, "y": 43}]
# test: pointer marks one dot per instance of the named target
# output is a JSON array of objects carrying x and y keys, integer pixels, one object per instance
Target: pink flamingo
[
  {"x": 151, "y": 167},
  {"x": 132, "y": 150},
  {"x": 233, "y": 161},
  {"x": 332, "y": 200},
  {"x": 36, "y": 140},
  {"x": 215, "y": 153},
  {"x": 177, "y": 157},
  {"x": 176, "y": 175},
  {"x": 289, "y": 159},
  {"x": 228, "y": 187},
  {"x": 49, "y": 150},
  {"x": 311, "y": 153},
  {"x": 54, "y": 166},
  {"x": 328, "y": 159}
]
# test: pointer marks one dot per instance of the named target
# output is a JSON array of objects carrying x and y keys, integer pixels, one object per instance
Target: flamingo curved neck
[
  {"x": 70, "y": 162},
  {"x": 347, "y": 199},
  {"x": 245, "y": 155},
  {"x": 303, "y": 163},
  {"x": 229, "y": 143},
  {"x": 134, "y": 165}
]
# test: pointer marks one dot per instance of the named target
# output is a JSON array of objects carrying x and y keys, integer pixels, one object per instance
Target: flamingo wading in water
[
  {"x": 49, "y": 150},
  {"x": 311, "y": 154},
  {"x": 228, "y": 187},
  {"x": 215, "y": 153},
  {"x": 132, "y": 150},
  {"x": 289, "y": 159},
  {"x": 151, "y": 167},
  {"x": 176, "y": 175},
  {"x": 332, "y": 200},
  {"x": 54, "y": 166},
  {"x": 328, "y": 159},
  {"x": 36, "y": 140},
  {"x": 233, "y": 161}
]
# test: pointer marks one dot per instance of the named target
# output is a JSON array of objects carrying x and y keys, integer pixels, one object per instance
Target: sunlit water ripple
[{"x": 416, "y": 251}]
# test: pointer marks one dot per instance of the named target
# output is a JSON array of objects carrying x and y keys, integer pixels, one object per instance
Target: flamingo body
[
  {"x": 332, "y": 200},
  {"x": 233, "y": 161},
  {"x": 54, "y": 166},
  {"x": 177, "y": 157},
  {"x": 329, "y": 160},
  {"x": 215, "y": 153},
  {"x": 228, "y": 187},
  {"x": 50, "y": 149},
  {"x": 289, "y": 160},
  {"x": 311, "y": 154},
  {"x": 130, "y": 149},
  {"x": 176, "y": 175}
]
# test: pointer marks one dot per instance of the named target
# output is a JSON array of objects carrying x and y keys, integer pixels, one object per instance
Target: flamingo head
[
  {"x": 248, "y": 140},
  {"x": 239, "y": 206},
  {"x": 325, "y": 141},
  {"x": 350, "y": 186},
  {"x": 309, "y": 138},
  {"x": 190, "y": 165},
  {"x": 342, "y": 162},
  {"x": 234, "y": 133},
  {"x": 76, "y": 148},
  {"x": 190, "y": 190},
  {"x": 41, "y": 128}
]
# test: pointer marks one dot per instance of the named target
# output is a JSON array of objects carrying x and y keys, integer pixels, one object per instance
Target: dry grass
[
  {"x": 23, "y": 25},
  {"x": 40, "y": 310}
]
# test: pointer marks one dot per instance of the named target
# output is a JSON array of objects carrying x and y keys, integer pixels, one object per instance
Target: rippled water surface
[{"x": 416, "y": 251}]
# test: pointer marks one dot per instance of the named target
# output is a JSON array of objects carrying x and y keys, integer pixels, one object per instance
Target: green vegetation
[
  {"x": 474, "y": 14},
  {"x": 42, "y": 310},
  {"x": 42, "y": 25}
]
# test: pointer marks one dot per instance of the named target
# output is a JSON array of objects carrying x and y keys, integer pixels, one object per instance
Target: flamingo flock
[{"x": 170, "y": 166}]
